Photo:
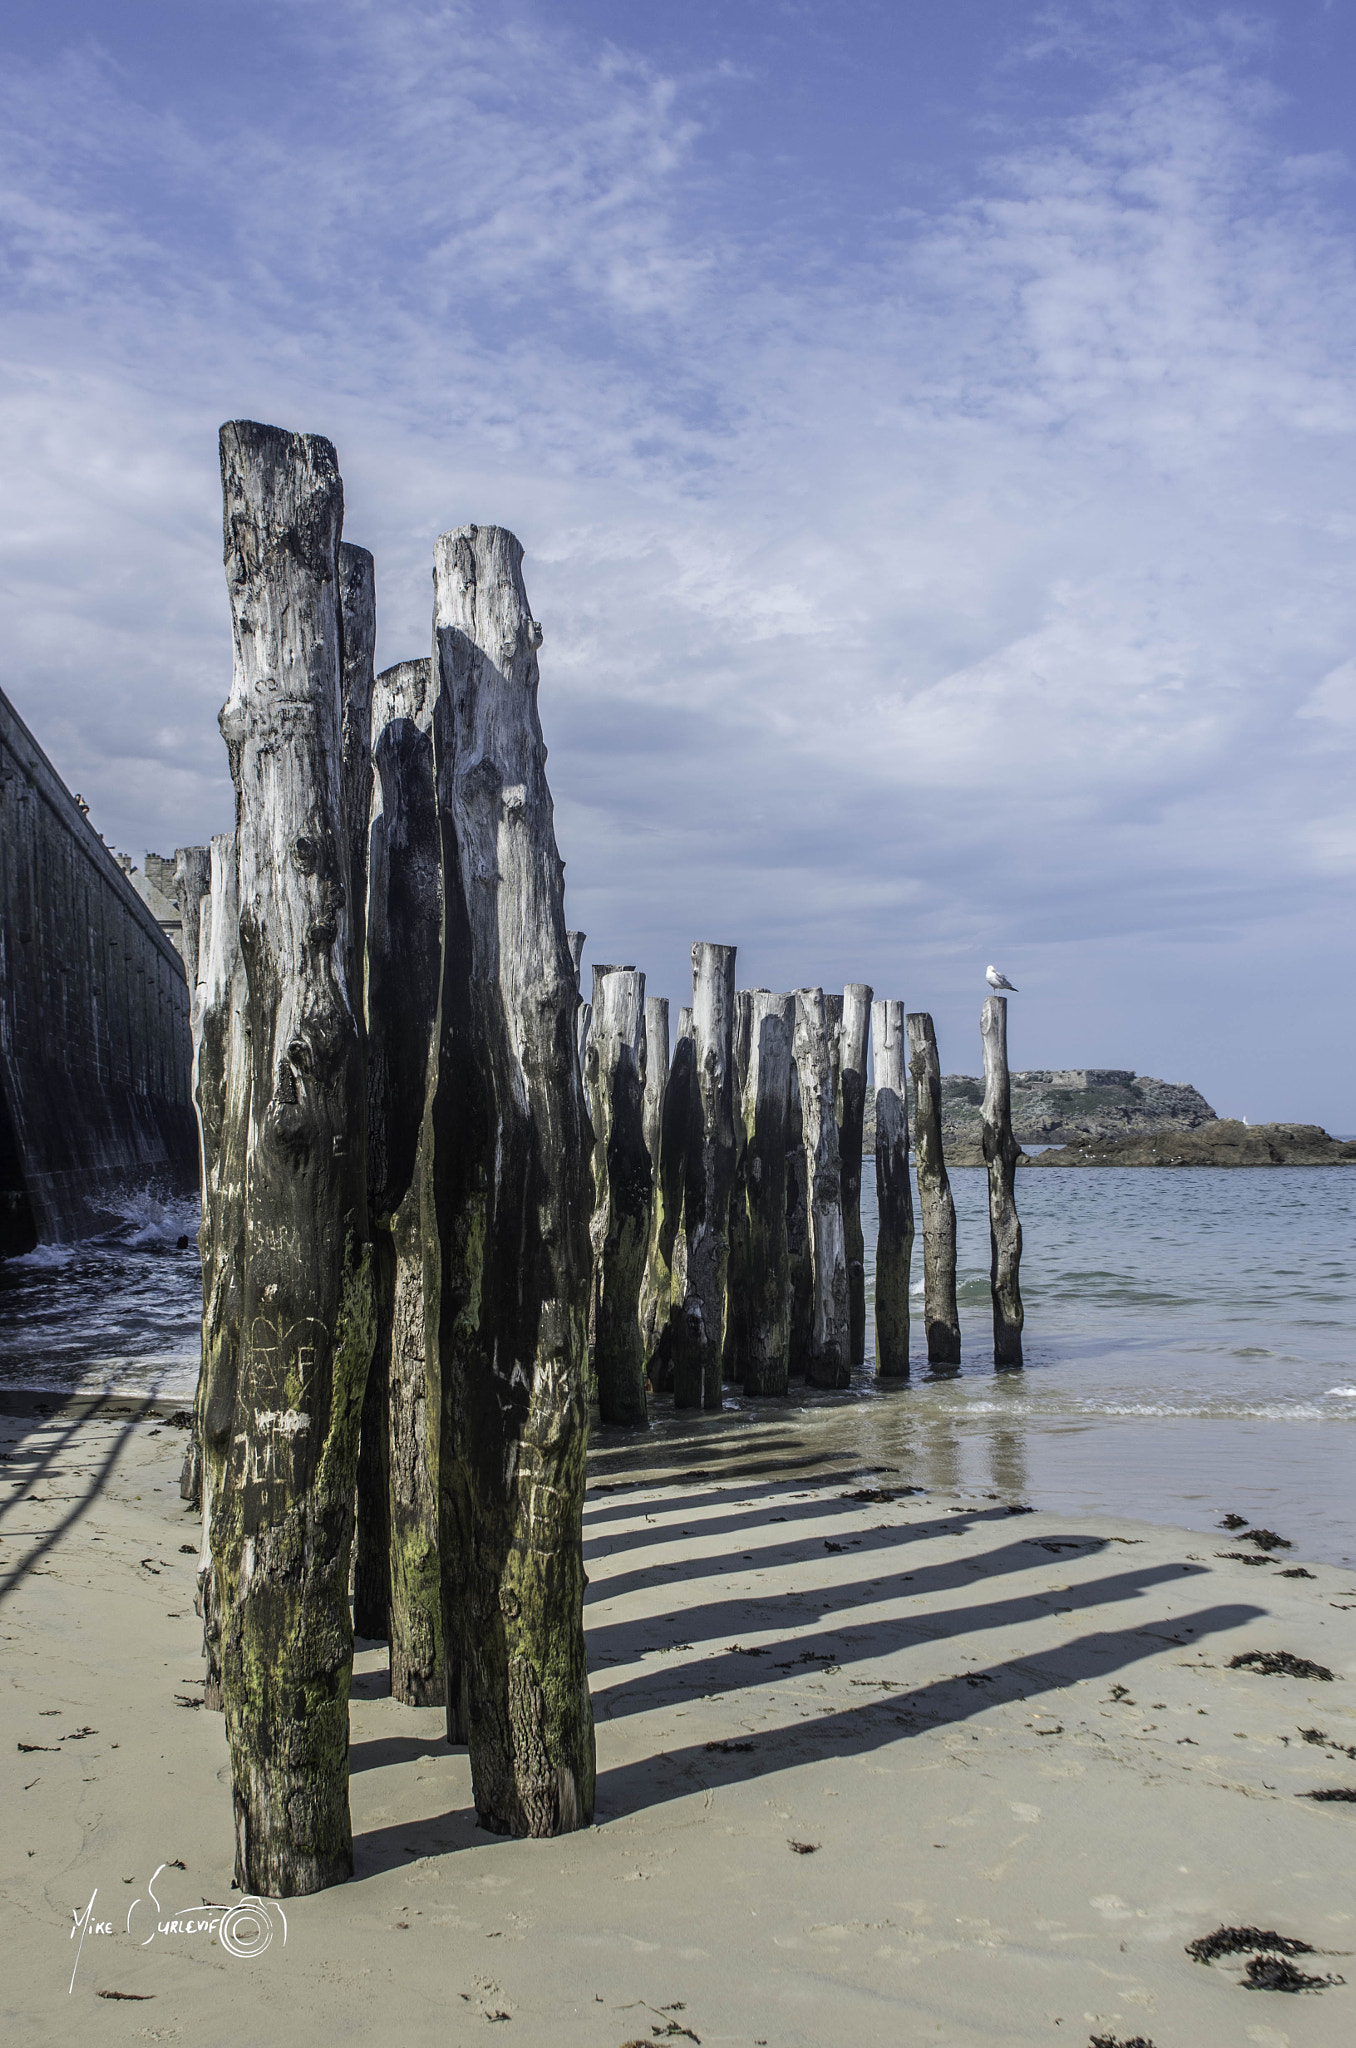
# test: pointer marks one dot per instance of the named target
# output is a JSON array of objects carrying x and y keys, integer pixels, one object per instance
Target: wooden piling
[
  {"x": 620, "y": 1227},
  {"x": 894, "y": 1193},
  {"x": 938, "y": 1210},
  {"x": 1001, "y": 1153},
  {"x": 829, "y": 1363},
  {"x": 282, "y": 1525},
  {"x": 509, "y": 1223},
  {"x": 853, "y": 1033},
  {"x": 706, "y": 1207},
  {"x": 764, "y": 1324}
]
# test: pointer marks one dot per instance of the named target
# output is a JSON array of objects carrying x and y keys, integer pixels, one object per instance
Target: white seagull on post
[{"x": 997, "y": 980}]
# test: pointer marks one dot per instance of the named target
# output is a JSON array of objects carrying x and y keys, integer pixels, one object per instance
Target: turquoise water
[{"x": 1190, "y": 1350}]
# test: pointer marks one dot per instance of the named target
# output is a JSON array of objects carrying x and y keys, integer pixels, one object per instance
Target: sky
[{"x": 930, "y": 429}]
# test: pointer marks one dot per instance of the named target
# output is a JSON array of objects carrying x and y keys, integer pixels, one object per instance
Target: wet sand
[{"x": 887, "y": 1770}]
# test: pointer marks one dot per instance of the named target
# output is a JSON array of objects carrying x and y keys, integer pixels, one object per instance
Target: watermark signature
[{"x": 245, "y": 1929}]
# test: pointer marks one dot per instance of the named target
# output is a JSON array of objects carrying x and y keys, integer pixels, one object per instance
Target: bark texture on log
[
  {"x": 511, "y": 1204},
  {"x": 799, "y": 1237},
  {"x": 764, "y": 1325},
  {"x": 938, "y": 1210},
  {"x": 283, "y": 1523},
  {"x": 404, "y": 966},
  {"x": 894, "y": 1194},
  {"x": 853, "y": 1033},
  {"x": 192, "y": 881},
  {"x": 710, "y": 1178},
  {"x": 829, "y": 1364},
  {"x": 833, "y": 1025},
  {"x": 1001, "y": 1153},
  {"x": 620, "y": 1230},
  {"x": 224, "y": 1082}
]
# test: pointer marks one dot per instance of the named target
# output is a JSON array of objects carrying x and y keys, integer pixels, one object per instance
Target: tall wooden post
[
  {"x": 833, "y": 1025},
  {"x": 685, "y": 1021},
  {"x": 706, "y": 1207},
  {"x": 620, "y": 1229},
  {"x": 358, "y": 607},
  {"x": 853, "y": 1033},
  {"x": 737, "y": 1275},
  {"x": 283, "y": 1524},
  {"x": 1001, "y": 1153},
  {"x": 224, "y": 1085},
  {"x": 894, "y": 1195},
  {"x": 799, "y": 1236},
  {"x": 192, "y": 886},
  {"x": 404, "y": 935},
  {"x": 511, "y": 1206},
  {"x": 829, "y": 1363},
  {"x": 934, "y": 1195},
  {"x": 656, "y": 1071},
  {"x": 663, "y": 1317},
  {"x": 765, "y": 1114}
]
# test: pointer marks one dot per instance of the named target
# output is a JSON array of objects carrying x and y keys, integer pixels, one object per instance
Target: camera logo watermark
[{"x": 245, "y": 1929}]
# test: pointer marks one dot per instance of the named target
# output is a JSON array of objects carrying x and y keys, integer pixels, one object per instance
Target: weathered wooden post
[
  {"x": 934, "y": 1194},
  {"x": 799, "y": 1237},
  {"x": 829, "y": 1364},
  {"x": 656, "y": 1071},
  {"x": 358, "y": 609},
  {"x": 192, "y": 885},
  {"x": 833, "y": 1026},
  {"x": 224, "y": 1085},
  {"x": 511, "y": 1201},
  {"x": 685, "y": 1021},
  {"x": 620, "y": 1230},
  {"x": 765, "y": 1115},
  {"x": 894, "y": 1195},
  {"x": 706, "y": 1205},
  {"x": 1001, "y": 1153},
  {"x": 283, "y": 1523},
  {"x": 663, "y": 1320},
  {"x": 575, "y": 941},
  {"x": 736, "y": 1278},
  {"x": 853, "y": 1033},
  {"x": 404, "y": 919}
]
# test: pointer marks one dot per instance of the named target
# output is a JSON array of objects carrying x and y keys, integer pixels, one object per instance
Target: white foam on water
[{"x": 1345, "y": 1393}]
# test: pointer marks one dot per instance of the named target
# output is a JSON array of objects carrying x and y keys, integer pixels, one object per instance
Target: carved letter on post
[
  {"x": 1001, "y": 1153},
  {"x": 282, "y": 1525},
  {"x": 512, "y": 1205},
  {"x": 934, "y": 1195},
  {"x": 894, "y": 1196}
]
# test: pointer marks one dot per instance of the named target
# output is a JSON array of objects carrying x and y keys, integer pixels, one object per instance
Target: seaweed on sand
[{"x": 1279, "y": 1664}]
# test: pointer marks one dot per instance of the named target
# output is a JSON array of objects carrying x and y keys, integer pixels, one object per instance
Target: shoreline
[{"x": 1021, "y": 1773}]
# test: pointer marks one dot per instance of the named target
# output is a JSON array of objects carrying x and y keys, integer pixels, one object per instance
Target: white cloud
[{"x": 982, "y": 568}]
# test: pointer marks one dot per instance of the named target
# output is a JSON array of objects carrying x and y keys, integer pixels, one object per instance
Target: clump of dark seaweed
[
  {"x": 1296, "y": 1571},
  {"x": 1234, "y": 1522},
  {"x": 1330, "y": 1792},
  {"x": 1267, "y": 1539},
  {"x": 1240, "y": 1941},
  {"x": 1274, "y": 1973},
  {"x": 1279, "y": 1664},
  {"x": 1242, "y": 1557},
  {"x": 1322, "y": 1741},
  {"x": 1114, "y": 2041}
]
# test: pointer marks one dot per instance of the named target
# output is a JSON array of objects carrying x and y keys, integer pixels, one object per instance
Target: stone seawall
[{"x": 95, "y": 1055}]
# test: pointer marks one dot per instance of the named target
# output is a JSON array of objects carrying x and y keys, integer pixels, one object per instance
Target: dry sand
[{"x": 899, "y": 1771}]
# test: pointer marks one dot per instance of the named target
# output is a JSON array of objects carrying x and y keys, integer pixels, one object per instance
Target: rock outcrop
[
  {"x": 1061, "y": 1106},
  {"x": 1222, "y": 1142}
]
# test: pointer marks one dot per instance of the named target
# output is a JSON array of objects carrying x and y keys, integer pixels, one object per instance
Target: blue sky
[{"x": 930, "y": 429}]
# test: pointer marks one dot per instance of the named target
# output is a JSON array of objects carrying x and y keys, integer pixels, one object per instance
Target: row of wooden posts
[
  {"x": 398, "y": 1201},
  {"x": 727, "y": 1230}
]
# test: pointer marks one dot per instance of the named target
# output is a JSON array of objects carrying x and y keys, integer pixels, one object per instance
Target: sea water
[{"x": 1190, "y": 1350}]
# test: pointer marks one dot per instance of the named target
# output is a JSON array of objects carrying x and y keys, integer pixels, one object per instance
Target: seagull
[{"x": 997, "y": 980}]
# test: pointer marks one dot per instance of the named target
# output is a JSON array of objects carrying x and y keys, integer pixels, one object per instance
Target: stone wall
[{"x": 94, "y": 1040}]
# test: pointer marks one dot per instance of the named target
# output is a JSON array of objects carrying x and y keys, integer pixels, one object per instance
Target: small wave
[
  {"x": 43, "y": 1258},
  {"x": 1347, "y": 1393}
]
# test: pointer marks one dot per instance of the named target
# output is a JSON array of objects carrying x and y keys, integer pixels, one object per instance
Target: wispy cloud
[{"x": 968, "y": 576}]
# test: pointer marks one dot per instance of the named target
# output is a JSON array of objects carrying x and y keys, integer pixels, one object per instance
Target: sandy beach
[{"x": 875, "y": 1765}]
